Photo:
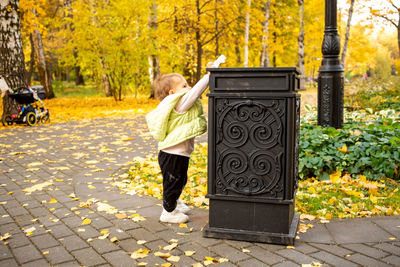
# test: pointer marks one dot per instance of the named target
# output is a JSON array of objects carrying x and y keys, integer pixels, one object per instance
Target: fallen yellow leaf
[
  {"x": 33, "y": 164},
  {"x": 343, "y": 149},
  {"x": 189, "y": 253},
  {"x": 5, "y": 236},
  {"x": 183, "y": 225},
  {"x": 37, "y": 187},
  {"x": 373, "y": 199},
  {"x": 114, "y": 239},
  {"x": 140, "y": 254},
  {"x": 121, "y": 216},
  {"x": 171, "y": 247},
  {"x": 335, "y": 177},
  {"x": 53, "y": 200},
  {"x": 86, "y": 221},
  {"x": 141, "y": 242},
  {"x": 174, "y": 258},
  {"x": 162, "y": 254}
]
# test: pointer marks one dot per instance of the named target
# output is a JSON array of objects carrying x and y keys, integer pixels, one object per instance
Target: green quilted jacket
[{"x": 170, "y": 128}]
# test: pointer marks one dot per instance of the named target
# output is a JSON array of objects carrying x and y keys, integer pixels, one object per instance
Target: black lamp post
[{"x": 331, "y": 78}]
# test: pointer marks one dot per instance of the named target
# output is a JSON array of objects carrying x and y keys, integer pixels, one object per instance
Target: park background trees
[{"x": 122, "y": 47}]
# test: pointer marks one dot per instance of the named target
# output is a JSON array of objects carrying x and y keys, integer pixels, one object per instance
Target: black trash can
[{"x": 253, "y": 142}]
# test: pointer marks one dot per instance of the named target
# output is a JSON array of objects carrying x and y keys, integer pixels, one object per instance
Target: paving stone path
[{"x": 73, "y": 162}]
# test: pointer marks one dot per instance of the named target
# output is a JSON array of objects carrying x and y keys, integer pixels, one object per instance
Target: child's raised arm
[{"x": 187, "y": 101}]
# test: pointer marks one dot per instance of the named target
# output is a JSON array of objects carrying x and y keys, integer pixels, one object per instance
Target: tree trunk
[
  {"x": 153, "y": 58},
  {"x": 264, "y": 60},
  {"x": 274, "y": 52},
  {"x": 67, "y": 76},
  {"x": 78, "y": 75},
  {"x": 11, "y": 54},
  {"x": 154, "y": 71},
  {"x": 237, "y": 50},
  {"x": 32, "y": 61},
  {"x": 216, "y": 29},
  {"x": 346, "y": 38},
  {"x": 199, "y": 55},
  {"x": 398, "y": 34},
  {"x": 198, "y": 43},
  {"x": 301, "y": 63},
  {"x": 246, "y": 35},
  {"x": 41, "y": 64},
  {"x": 106, "y": 80}
]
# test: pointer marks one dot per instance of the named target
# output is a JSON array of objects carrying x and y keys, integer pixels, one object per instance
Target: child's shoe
[
  {"x": 173, "y": 217},
  {"x": 181, "y": 207}
]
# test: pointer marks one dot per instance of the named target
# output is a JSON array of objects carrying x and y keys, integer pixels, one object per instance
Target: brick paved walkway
[{"x": 78, "y": 158}]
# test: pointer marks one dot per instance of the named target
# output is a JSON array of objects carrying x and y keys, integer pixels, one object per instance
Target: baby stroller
[{"x": 28, "y": 111}]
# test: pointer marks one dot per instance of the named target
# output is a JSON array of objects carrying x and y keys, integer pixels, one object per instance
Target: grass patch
[
  {"x": 344, "y": 197},
  {"x": 375, "y": 94},
  {"x": 69, "y": 89},
  {"x": 338, "y": 197}
]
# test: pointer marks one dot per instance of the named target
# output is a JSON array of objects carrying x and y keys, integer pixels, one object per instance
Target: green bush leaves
[{"x": 372, "y": 150}]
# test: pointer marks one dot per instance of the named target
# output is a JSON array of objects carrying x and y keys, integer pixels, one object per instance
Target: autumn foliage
[{"x": 116, "y": 43}]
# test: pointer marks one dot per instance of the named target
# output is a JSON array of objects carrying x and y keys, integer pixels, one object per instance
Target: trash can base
[{"x": 253, "y": 236}]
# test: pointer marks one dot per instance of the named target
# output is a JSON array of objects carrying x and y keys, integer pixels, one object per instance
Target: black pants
[{"x": 174, "y": 171}]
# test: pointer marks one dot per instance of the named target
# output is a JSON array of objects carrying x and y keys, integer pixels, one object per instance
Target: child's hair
[{"x": 163, "y": 84}]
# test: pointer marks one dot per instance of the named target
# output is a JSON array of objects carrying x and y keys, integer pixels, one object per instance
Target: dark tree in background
[{"x": 11, "y": 54}]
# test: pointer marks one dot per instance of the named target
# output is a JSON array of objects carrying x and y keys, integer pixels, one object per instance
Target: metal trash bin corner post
[{"x": 253, "y": 143}]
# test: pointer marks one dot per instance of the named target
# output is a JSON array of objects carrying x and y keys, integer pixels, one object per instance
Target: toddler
[{"x": 176, "y": 121}]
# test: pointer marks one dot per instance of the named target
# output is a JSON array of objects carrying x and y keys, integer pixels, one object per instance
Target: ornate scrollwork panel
[{"x": 249, "y": 147}]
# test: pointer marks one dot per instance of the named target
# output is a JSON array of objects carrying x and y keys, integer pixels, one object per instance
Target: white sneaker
[
  {"x": 181, "y": 207},
  {"x": 173, "y": 217}
]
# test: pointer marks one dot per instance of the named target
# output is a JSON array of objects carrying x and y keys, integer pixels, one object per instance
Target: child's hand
[{"x": 209, "y": 65}]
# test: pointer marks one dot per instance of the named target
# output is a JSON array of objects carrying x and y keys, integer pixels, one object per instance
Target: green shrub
[{"x": 371, "y": 149}]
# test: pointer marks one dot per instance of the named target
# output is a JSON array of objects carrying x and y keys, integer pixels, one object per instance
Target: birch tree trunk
[
  {"x": 154, "y": 70},
  {"x": 301, "y": 62},
  {"x": 246, "y": 35},
  {"x": 11, "y": 55},
  {"x": 45, "y": 79},
  {"x": 346, "y": 38},
  {"x": 264, "y": 60}
]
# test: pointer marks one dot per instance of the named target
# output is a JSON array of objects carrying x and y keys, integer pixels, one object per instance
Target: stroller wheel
[
  {"x": 46, "y": 118},
  {"x": 8, "y": 120},
  {"x": 31, "y": 118}
]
